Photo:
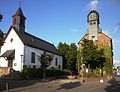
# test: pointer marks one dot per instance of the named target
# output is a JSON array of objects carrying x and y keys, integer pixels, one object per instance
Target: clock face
[{"x": 92, "y": 16}]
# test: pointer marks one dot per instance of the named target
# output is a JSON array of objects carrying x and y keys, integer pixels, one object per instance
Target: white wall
[
  {"x": 27, "y": 58},
  {"x": 15, "y": 44},
  {"x": 23, "y": 53}
]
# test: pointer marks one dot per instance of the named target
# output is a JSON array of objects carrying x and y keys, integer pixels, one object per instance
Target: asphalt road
[{"x": 64, "y": 85}]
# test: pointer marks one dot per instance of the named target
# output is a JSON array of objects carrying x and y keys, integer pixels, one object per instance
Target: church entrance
[
  {"x": 10, "y": 63},
  {"x": 9, "y": 55}
]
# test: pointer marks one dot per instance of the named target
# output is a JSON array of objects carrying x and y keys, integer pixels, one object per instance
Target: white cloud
[
  {"x": 74, "y": 30},
  {"x": 117, "y": 27},
  {"x": 116, "y": 62},
  {"x": 93, "y": 4},
  {"x": 116, "y": 41}
]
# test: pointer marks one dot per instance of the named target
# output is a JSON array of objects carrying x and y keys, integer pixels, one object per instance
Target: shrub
[{"x": 38, "y": 73}]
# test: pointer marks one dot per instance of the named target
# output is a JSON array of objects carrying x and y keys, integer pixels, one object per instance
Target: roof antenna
[{"x": 20, "y": 3}]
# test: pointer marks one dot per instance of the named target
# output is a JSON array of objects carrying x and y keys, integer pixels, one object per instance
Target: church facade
[
  {"x": 23, "y": 49},
  {"x": 95, "y": 33}
]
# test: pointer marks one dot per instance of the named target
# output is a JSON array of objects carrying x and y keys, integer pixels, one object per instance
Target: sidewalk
[{"x": 59, "y": 85}]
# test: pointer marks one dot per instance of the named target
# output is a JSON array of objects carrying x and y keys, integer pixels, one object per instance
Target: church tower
[
  {"x": 19, "y": 20},
  {"x": 93, "y": 25}
]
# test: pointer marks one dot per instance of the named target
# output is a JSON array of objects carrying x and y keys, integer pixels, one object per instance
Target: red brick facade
[{"x": 102, "y": 38}]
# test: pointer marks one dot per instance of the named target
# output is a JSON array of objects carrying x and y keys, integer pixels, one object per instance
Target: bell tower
[
  {"x": 93, "y": 25},
  {"x": 19, "y": 20}
]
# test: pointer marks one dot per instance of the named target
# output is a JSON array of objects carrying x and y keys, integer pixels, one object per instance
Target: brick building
[{"x": 95, "y": 33}]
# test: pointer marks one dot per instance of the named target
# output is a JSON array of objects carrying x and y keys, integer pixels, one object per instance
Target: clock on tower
[{"x": 93, "y": 25}]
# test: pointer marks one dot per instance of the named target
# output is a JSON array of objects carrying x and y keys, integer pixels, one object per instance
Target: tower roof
[
  {"x": 19, "y": 13},
  {"x": 93, "y": 11}
]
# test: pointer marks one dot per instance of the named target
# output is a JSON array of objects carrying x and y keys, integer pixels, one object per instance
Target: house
[{"x": 23, "y": 49}]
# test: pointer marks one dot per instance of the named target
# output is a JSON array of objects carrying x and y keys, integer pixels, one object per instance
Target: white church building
[{"x": 22, "y": 49}]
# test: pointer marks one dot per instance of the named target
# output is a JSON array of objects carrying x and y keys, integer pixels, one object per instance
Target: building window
[
  {"x": 56, "y": 62},
  {"x": 32, "y": 57},
  {"x": 11, "y": 40},
  {"x": 90, "y": 23},
  {"x": 93, "y": 38},
  {"x": 94, "y": 22}
]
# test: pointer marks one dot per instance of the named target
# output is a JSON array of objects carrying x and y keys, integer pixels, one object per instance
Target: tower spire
[{"x": 19, "y": 19}]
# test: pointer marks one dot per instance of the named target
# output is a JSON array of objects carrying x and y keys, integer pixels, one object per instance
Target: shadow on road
[
  {"x": 16, "y": 83},
  {"x": 114, "y": 85},
  {"x": 70, "y": 85}
]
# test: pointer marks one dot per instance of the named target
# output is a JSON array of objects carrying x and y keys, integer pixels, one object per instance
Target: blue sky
[{"x": 65, "y": 20}]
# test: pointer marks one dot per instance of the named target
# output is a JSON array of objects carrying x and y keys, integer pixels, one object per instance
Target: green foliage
[
  {"x": 45, "y": 60},
  {"x": 91, "y": 55},
  {"x": 79, "y": 62},
  {"x": 96, "y": 72},
  {"x": 1, "y": 37},
  {"x": 31, "y": 73},
  {"x": 28, "y": 73},
  {"x": 108, "y": 64},
  {"x": 70, "y": 54},
  {"x": 108, "y": 68},
  {"x": 63, "y": 48}
]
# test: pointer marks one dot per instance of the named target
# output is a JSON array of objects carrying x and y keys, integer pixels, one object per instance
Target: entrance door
[{"x": 10, "y": 63}]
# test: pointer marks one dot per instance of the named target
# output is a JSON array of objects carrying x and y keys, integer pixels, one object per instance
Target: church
[
  {"x": 22, "y": 49},
  {"x": 94, "y": 32}
]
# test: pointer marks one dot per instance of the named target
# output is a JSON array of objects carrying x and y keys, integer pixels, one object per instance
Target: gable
[
  {"x": 12, "y": 41},
  {"x": 35, "y": 42},
  {"x": 103, "y": 38}
]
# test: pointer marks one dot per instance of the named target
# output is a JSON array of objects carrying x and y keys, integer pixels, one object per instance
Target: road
[{"x": 65, "y": 86}]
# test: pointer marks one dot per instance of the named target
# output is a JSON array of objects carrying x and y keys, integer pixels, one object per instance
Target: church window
[
  {"x": 32, "y": 57},
  {"x": 56, "y": 61},
  {"x": 90, "y": 23},
  {"x": 94, "y": 22},
  {"x": 93, "y": 37},
  {"x": 11, "y": 40}
]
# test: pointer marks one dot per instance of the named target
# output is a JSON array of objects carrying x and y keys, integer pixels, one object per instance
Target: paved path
[{"x": 65, "y": 85}]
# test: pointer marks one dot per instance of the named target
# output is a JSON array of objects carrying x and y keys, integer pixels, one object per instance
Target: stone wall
[{"x": 4, "y": 71}]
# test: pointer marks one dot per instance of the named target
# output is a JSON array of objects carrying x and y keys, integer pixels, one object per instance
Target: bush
[
  {"x": 96, "y": 72},
  {"x": 38, "y": 73}
]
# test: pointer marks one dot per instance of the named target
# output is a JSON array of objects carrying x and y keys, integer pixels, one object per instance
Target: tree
[
  {"x": 108, "y": 64},
  {"x": 72, "y": 57},
  {"x": 91, "y": 55},
  {"x": 1, "y": 17},
  {"x": 1, "y": 33},
  {"x": 45, "y": 60},
  {"x": 63, "y": 48},
  {"x": 70, "y": 54},
  {"x": 1, "y": 38}
]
